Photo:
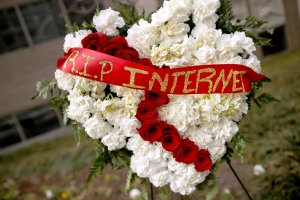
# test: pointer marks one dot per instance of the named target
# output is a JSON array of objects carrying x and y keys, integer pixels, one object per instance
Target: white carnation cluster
[
  {"x": 107, "y": 21},
  {"x": 208, "y": 120},
  {"x": 111, "y": 119},
  {"x": 181, "y": 33},
  {"x": 153, "y": 162}
]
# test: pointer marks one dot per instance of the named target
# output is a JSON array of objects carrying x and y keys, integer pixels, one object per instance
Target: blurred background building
[{"x": 31, "y": 38}]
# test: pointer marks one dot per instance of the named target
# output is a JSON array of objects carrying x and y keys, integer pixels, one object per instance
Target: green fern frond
[
  {"x": 43, "y": 87},
  {"x": 129, "y": 13},
  {"x": 265, "y": 98}
]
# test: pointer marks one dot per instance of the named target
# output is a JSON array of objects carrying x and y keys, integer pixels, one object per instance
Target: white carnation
[
  {"x": 204, "y": 55},
  {"x": 73, "y": 40},
  {"x": 252, "y": 62},
  {"x": 204, "y": 9},
  {"x": 173, "y": 10},
  {"x": 114, "y": 139},
  {"x": 80, "y": 107},
  {"x": 107, "y": 22},
  {"x": 65, "y": 81},
  {"x": 205, "y": 36},
  {"x": 96, "y": 127},
  {"x": 173, "y": 32},
  {"x": 142, "y": 37}
]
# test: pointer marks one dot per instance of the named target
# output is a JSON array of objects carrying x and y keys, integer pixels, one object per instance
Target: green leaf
[
  {"x": 144, "y": 189},
  {"x": 129, "y": 180},
  {"x": 227, "y": 156},
  {"x": 265, "y": 98},
  {"x": 77, "y": 132},
  {"x": 88, "y": 26},
  {"x": 43, "y": 87},
  {"x": 72, "y": 28},
  {"x": 254, "y": 22},
  {"x": 129, "y": 13},
  {"x": 239, "y": 145},
  {"x": 212, "y": 192},
  {"x": 100, "y": 161},
  {"x": 227, "y": 23}
]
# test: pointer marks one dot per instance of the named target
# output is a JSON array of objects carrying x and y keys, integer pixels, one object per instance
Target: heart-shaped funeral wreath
[{"x": 163, "y": 93}]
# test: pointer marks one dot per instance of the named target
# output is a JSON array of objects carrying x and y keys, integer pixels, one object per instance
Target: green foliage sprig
[
  {"x": 228, "y": 24},
  {"x": 43, "y": 87},
  {"x": 129, "y": 13},
  {"x": 116, "y": 159},
  {"x": 257, "y": 98}
]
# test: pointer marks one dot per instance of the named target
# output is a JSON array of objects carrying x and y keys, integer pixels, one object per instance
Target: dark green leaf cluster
[
  {"x": 117, "y": 159},
  {"x": 228, "y": 24},
  {"x": 129, "y": 13},
  {"x": 260, "y": 99}
]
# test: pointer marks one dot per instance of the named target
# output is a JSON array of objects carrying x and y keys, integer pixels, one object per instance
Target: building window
[
  {"x": 8, "y": 132},
  {"x": 37, "y": 21},
  {"x": 43, "y": 20},
  {"x": 27, "y": 124},
  {"x": 11, "y": 34}
]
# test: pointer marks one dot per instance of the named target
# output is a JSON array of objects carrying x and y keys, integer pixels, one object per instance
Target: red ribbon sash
[{"x": 203, "y": 79}]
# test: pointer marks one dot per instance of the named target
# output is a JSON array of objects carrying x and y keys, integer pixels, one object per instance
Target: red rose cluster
[
  {"x": 116, "y": 46},
  {"x": 152, "y": 129},
  {"x": 155, "y": 130}
]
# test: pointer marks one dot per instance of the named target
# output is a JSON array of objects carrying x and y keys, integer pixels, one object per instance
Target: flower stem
[
  {"x": 151, "y": 191},
  {"x": 239, "y": 180}
]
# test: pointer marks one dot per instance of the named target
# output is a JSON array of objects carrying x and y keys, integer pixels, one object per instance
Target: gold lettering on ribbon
[
  {"x": 224, "y": 81},
  {"x": 71, "y": 58},
  {"x": 163, "y": 83},
  {"x": 187, "y": 82},
  {"x": 88, "y": 59},
  {"x": 235, "y": 81},
  {"x": 176, "y": 75},
  {"x": 103, "y": 71},
  {"x": 133, "y": 72},
  {"x": 206, "y": 79}
]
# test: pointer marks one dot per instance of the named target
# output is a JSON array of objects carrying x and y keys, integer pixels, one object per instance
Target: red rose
[
  {"x": 120, "y": 40},
  {"x": 152, "y": 130},
  {"x": 146, "y": 62},
  {"x": 146, "y": 111},
  {"x": 127, "y": 54},
  {"x": 95, "y": 41},
  {"x": 170, "y": 139},
  {"x": 157, "y": 98},
  {"x": 116, "y": 44},
  {"x": 186, "y": 152},
  {"x": 202, "y": 161}
]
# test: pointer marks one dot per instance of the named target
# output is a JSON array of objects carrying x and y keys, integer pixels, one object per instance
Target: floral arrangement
[{"x": 175, "y": 140}]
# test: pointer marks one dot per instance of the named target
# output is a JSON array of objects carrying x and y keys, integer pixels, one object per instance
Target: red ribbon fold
[{"x": 202, "y": 79}]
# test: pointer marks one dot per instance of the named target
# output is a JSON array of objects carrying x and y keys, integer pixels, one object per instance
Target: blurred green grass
[
  {"x": 272, "y": 133},
  {"x": 56, "y": 157}
]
